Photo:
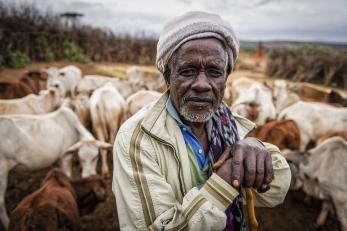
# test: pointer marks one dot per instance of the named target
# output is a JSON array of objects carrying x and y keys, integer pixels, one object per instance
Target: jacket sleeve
[
  {"x": 280, "y": 185},
  {"x": 146, "y": 201}
]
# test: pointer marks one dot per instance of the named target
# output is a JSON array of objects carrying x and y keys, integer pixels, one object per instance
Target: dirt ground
[{"x": 293, "y": 214}]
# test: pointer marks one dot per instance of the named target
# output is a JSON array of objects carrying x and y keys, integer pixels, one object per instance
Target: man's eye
[
  {"x": 214, "y": 73},
  {"x": 189, "y": 72}
]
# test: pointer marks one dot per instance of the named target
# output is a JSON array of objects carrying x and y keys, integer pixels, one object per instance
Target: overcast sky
[{"x": 303, "y": 20}]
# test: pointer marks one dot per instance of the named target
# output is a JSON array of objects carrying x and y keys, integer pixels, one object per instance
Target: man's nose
[{"x": 201, "y": 82}]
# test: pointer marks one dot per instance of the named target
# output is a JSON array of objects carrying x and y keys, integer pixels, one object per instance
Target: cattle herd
[
  {"x": 56, "y": 114},
  {"x": 309, "y": 125},
  {"x": 52, "y": 115}
]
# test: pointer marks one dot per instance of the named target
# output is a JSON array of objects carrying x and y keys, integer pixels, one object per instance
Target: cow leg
[
  {"x": 100, "y": 130},
  {"x": 105, "y": 171},
  {"x": 3, "y": 185},
  {"x": 113, "y": 129},
  {"x": 326, "y": 208},
  {"x": 66, "y": 164}
]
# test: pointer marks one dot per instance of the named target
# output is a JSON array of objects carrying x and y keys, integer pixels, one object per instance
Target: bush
[
  {"x": 18, "y": 59},
  {"x": 74, "y": 54},
  {"x": 310, "y": 49},
  {"x": 49, "y": 56}
]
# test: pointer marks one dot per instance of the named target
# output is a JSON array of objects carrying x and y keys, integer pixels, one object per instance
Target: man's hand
[{"x": 248, "y": 163}]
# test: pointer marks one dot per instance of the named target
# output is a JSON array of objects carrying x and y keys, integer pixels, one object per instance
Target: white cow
[
  {"x": 282, "y": 96},
  {"x": 46, "y": 101},
  {"x": 324, "y": 177},
  {"x": 37, "y": 141},
  {"x": 92, "y": 82},
  {"x": 315, "y": 120},
  {"x": 147, "y": 78},
  {"x": 140, "y": 99},
  {"x": 107, "y": 107},
  {"x": 81, "y": 106},
  {"x": 237, "y": 85},
  {"x": 321, "y": 173},
  {"x": 255, "y": 103},
  {"x": 65, "y": 79}
]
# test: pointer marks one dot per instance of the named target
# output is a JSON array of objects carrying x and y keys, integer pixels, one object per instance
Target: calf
[
  {"x": 58, "y": 203},
  {"x": 284, "y": 134}
]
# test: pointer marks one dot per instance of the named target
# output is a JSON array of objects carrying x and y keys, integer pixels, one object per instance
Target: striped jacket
[{"x": 152, "y": 179}]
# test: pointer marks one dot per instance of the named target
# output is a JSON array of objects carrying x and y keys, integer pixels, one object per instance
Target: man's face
[{"x": 198, "y": 77}]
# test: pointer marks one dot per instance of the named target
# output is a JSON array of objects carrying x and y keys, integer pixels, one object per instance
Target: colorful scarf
[{"x": 224, "y": 134}]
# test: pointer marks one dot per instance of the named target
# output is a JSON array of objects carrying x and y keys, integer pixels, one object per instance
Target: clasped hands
[{"x": 248, "y": 163}]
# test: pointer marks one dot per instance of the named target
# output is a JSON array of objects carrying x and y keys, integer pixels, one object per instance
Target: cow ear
[
  {"x": 104, "y": 145},
  {"x": 73, "y": 148}
]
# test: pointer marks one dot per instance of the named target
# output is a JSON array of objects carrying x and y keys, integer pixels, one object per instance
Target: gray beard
[{"x": 196, "y": 118}]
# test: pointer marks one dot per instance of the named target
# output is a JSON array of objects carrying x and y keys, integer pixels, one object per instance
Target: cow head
[
  {"x": 295, "y": 159},
  {"x": 54, "y": 81},
  {"x": 52, "y": 96},
  {"x": 88, "y": 153}
]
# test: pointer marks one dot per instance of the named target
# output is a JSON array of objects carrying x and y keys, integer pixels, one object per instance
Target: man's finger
[
  {"x": 268, "y": 170},
  {"x": 263, "y": 189},
  {"x": 226, "y": 155},
  {"x": 236, "y": 167},
  {"x": 250, "y": 171},
  {"x": 260, "y": 171}
]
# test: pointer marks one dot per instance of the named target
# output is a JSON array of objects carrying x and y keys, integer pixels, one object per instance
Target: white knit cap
[{"x": 194, "y": 25}]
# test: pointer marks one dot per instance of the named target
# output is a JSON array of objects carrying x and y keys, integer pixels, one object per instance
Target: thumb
[{"x": 226, "y": 155}]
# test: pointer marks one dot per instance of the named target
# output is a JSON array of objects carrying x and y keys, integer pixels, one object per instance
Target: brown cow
[
  {"x": 284, "y": 134},
  {"x": 58, "y": 203},
  {"x": 310, "y": 92},
  {"x": 16, "y": 89},
  {"x": 31, "y": 83},
  {"x": 39, "y": 79}
]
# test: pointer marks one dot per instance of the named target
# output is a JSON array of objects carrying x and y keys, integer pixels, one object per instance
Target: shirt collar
[{"x": 172, "y": 111}]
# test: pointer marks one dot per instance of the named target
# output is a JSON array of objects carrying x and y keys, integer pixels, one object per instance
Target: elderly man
[{"x": 182, "y": 163}]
